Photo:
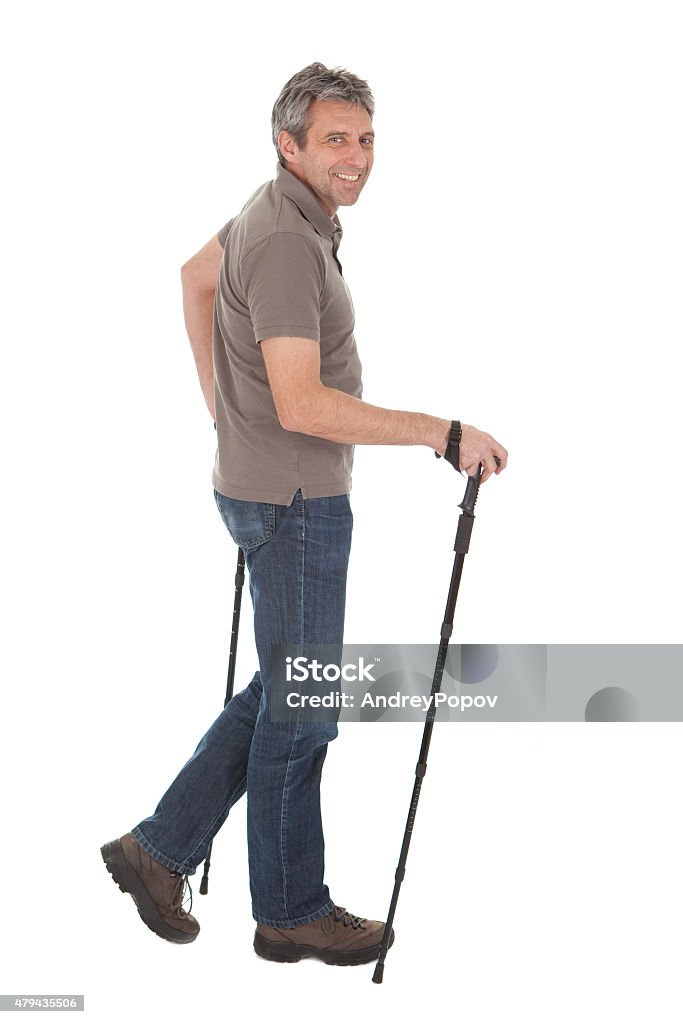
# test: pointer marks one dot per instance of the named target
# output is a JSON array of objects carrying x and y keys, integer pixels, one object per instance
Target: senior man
[{"x": 271, "y": 322}]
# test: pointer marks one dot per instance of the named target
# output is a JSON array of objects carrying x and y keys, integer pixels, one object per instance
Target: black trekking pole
[
  {"x": 239, "y": 583},
  {"x": 461, "y": 547}
]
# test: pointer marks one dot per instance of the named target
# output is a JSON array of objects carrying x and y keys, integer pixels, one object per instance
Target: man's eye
[{"x": 370, "y": 141}]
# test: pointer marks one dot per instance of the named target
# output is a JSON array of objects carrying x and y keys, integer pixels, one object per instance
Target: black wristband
[{"x": 452, "y": 453}]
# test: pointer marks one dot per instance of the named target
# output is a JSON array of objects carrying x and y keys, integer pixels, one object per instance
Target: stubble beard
[{"x": 339, "y": 195}]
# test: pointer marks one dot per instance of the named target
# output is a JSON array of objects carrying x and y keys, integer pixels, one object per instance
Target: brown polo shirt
[{"x": 280, "y": 277}]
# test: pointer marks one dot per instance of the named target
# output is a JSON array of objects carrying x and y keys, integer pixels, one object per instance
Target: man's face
[{"x": 340, "y": 142}]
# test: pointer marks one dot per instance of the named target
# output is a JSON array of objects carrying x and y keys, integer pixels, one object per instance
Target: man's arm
[
  {"x": 198, "y": 277},
  {"x": 304, "y": 404}
]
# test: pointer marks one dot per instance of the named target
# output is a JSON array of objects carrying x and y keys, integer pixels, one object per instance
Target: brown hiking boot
[
  {"x": 157, "y": 891},
  {"x": 340, "y": 938}
]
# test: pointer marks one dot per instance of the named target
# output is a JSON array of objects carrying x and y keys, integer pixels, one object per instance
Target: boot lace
[
  {"x": 178, "y": 899},
  {"x": 347, "y": 919}
]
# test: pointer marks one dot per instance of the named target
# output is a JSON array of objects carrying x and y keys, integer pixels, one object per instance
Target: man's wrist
[{"x": 439, "y": 440}]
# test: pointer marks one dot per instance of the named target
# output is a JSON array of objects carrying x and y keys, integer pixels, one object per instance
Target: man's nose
[{"x": 356, "y": 155}]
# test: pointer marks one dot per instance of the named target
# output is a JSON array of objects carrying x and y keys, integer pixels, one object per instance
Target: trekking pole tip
[
  {"x": 379, "y": 972},
  {"x": 204, "y": 884}
]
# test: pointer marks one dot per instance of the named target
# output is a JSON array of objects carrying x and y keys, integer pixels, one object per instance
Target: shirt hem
[
  {"x": 286, "y": 331},
  {"x": 330, "y": 490}
]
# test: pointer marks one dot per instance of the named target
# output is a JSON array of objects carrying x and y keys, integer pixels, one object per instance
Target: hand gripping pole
[
  {"x": 461, "y": 547},
  {"x": 239, "y": 583}
]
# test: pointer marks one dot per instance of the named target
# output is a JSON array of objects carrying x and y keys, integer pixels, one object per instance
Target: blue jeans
[{"x": 297, "y": 557}]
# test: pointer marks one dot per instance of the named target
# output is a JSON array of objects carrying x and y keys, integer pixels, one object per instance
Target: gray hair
[{"x": 316, "y": 82}]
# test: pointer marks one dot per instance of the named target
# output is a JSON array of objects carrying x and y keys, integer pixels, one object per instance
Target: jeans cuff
[
  {"x": 285, "y": 922},
  {"x": 174, "y": 865}
]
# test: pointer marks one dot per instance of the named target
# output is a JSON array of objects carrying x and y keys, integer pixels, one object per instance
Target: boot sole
[
  {"x": 130, "y": 882},
  {"x": 290, "y": 953}
]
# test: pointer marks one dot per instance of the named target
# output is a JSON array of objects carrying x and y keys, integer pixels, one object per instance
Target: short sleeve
[
  {"x": 283, "y": 279},
  {"x": 223, "y": 233}
]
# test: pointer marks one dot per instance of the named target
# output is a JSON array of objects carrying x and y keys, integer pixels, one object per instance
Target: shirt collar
[{"x": 307, "y": 201}]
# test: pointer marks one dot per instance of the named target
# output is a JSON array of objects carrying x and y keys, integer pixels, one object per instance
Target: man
[{"x": 270, "y": 321}]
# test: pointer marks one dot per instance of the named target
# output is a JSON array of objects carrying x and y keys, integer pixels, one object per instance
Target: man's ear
[{"x": 288, "y": 147}]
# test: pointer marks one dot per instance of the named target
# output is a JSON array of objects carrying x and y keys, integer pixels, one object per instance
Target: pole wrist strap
[{"x": 452, "y": 453}]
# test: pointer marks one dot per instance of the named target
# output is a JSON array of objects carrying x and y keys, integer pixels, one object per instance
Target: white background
[{"x": 515, "y": 261}]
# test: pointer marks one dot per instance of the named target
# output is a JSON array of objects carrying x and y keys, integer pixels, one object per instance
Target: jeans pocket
[{"x": 249, "y": 523}]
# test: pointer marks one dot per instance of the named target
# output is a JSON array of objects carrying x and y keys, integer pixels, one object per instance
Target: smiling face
[{"x": 337, "y": 157}]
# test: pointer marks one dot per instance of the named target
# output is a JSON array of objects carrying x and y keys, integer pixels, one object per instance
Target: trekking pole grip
[{"x": 472, "y": 490}]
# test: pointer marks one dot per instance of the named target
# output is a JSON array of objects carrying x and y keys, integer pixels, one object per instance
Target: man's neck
[{"x": 330, "y": 213}]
